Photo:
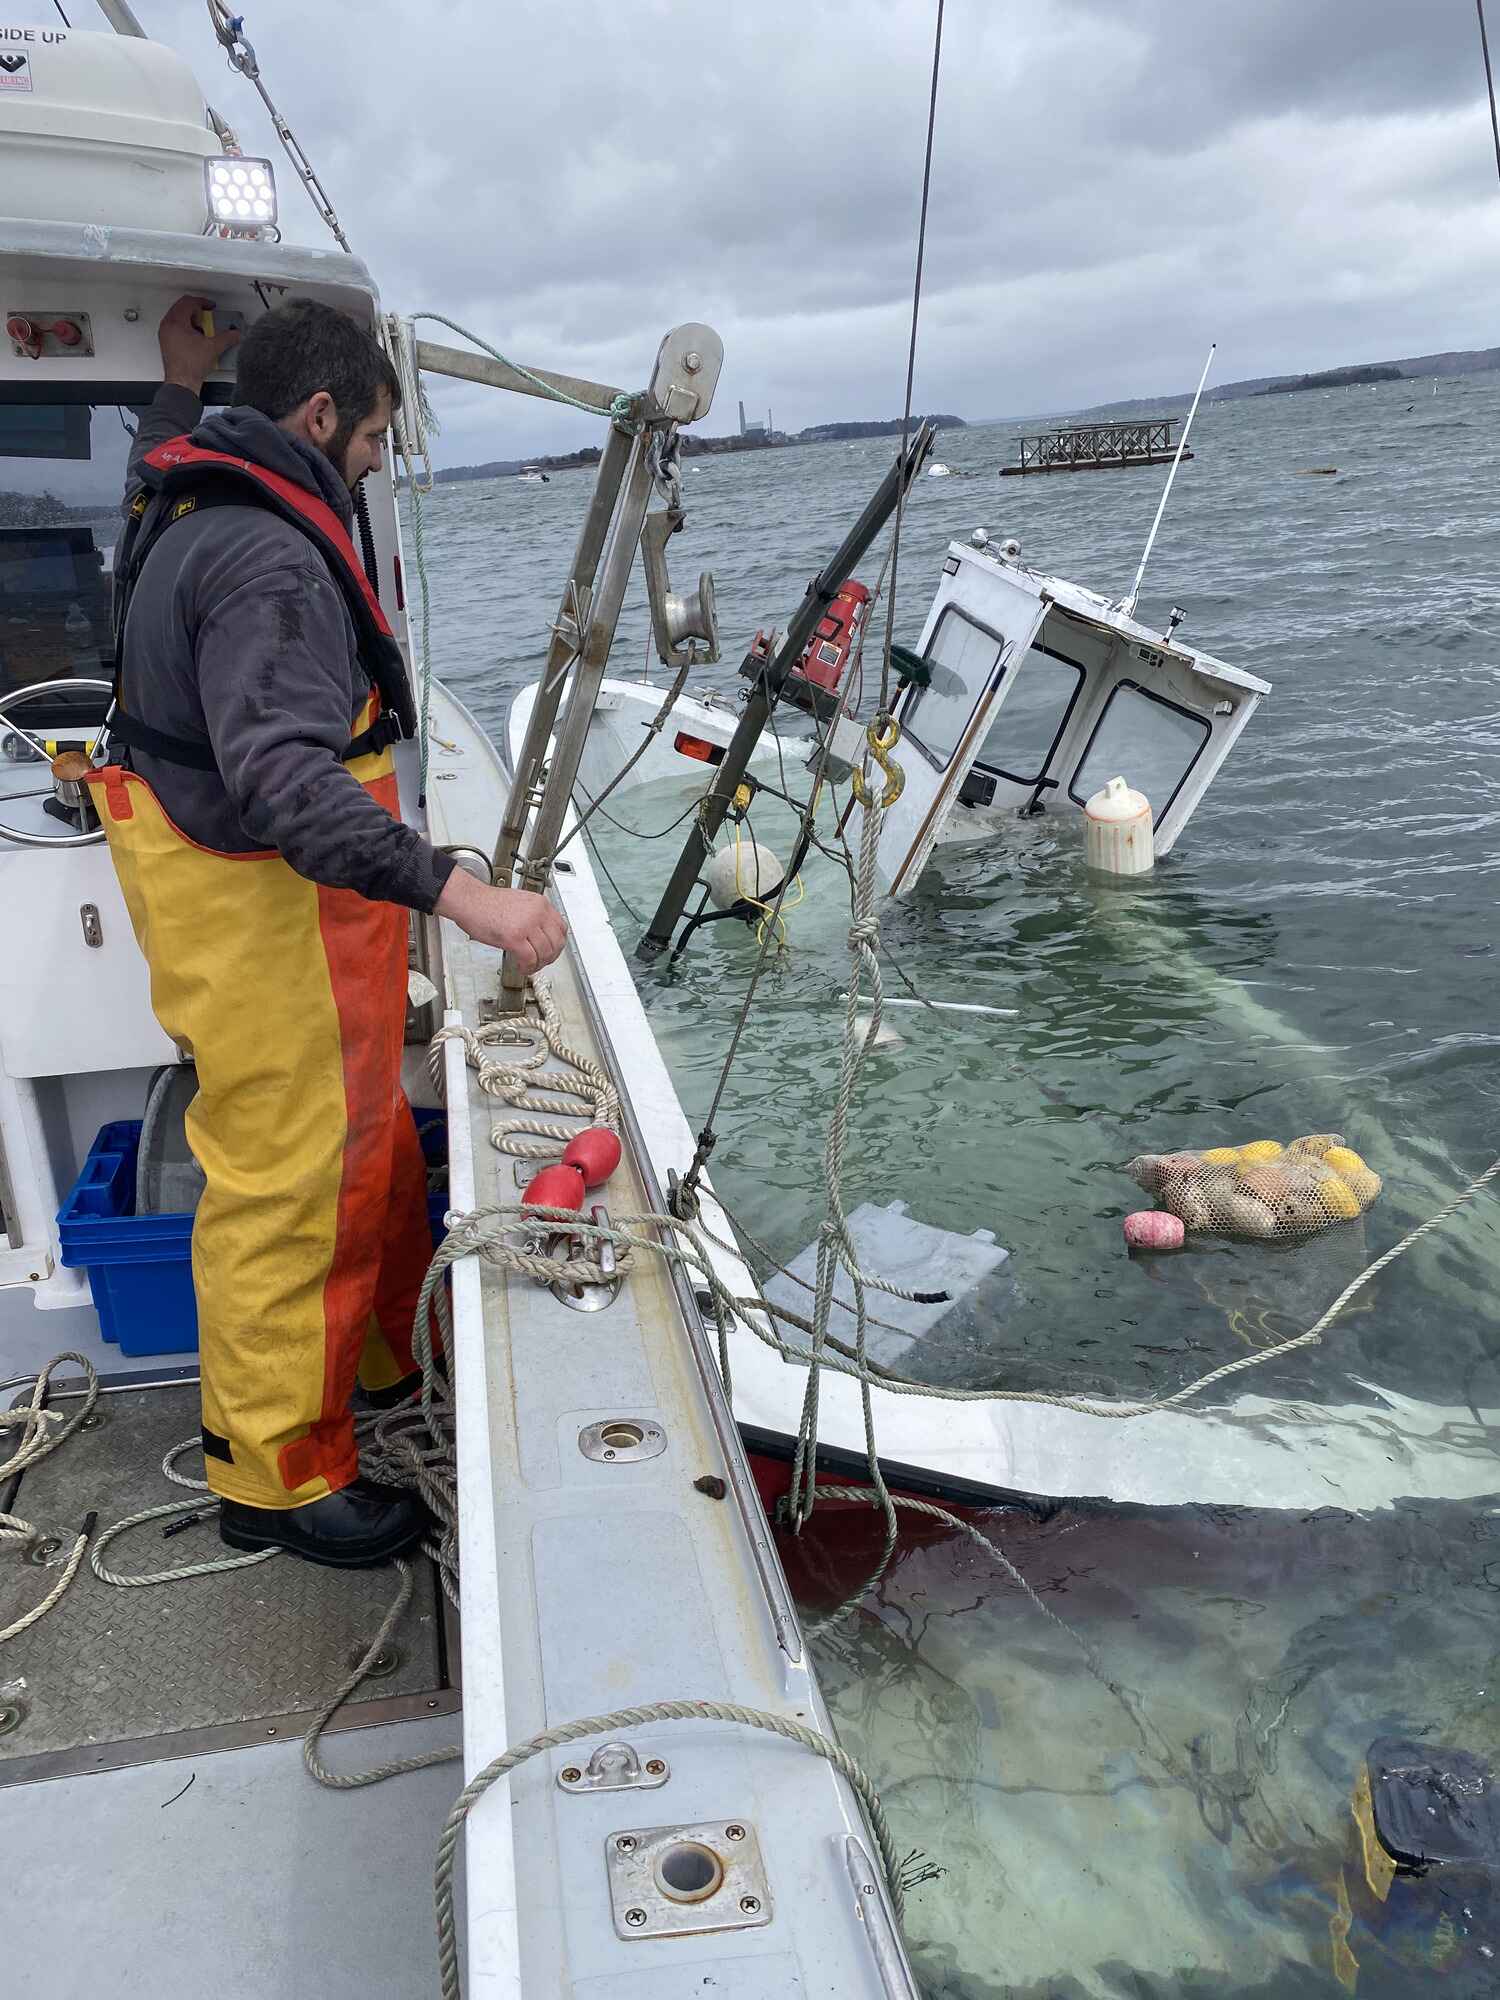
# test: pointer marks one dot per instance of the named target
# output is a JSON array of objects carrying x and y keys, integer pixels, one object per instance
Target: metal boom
[{"x": 766, "y": 692}]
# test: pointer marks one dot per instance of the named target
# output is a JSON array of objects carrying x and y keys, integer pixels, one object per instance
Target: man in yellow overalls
[{"x": 252, "y": 814}]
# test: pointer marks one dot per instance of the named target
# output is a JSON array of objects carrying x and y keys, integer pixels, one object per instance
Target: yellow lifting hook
[{"x": 882, "y": 735}]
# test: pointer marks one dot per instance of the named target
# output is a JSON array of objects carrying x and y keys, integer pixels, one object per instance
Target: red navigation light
[{"x": 698, "y": 748}]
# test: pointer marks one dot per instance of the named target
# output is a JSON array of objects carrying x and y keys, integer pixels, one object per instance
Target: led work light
[{"x": 241, "y": 194}]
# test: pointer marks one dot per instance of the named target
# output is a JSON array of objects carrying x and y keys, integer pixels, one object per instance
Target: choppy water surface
[{"x": 1154, "y": 1801}]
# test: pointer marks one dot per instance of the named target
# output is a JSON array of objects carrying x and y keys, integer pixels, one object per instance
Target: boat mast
[{"x": 1127, "y": 604}]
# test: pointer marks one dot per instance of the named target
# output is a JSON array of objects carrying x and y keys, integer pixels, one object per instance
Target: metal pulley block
[{"x": 685, "y": 626}]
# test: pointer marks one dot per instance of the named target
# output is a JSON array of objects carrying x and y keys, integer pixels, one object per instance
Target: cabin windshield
[
  {"x": 62, "y": 478},
  {"x": 1020, "y": 742},
  {"x": 1155, "y": 740},
  {"x": 962, "y": 658}
]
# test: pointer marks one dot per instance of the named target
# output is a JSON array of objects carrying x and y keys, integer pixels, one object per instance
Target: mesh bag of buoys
[{"x": 1262, "y": 1190}]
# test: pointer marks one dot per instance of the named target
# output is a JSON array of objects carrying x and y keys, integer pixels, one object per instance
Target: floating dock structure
[{"x": 1096, "y": 447}]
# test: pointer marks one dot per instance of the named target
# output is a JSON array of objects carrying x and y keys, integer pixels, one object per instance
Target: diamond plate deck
[{"x": 112, "y": 1676}]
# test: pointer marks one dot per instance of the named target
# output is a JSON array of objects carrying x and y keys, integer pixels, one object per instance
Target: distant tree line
[
  {"x": 695, "y": 446},
  {"x": 1360, "y": 377},
  {"x": 43, "y": 510},
  {"x": 880, "y": 427}
]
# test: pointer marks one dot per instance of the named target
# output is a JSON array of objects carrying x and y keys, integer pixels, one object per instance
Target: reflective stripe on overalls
[{"x": 311, "y": 1238}]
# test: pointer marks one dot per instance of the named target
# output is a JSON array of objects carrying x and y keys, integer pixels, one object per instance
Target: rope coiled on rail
[{"x": 506, "y": 1056}]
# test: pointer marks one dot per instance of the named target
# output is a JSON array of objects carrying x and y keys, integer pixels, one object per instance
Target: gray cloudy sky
[{"x": 1116, "y": 183}]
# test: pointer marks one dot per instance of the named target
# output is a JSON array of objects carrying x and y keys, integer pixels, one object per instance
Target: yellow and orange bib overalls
[{"x": 311, "y": 1238}]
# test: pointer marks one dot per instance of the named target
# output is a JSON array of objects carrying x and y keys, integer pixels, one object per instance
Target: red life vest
[{"x": 179, "y": 479}]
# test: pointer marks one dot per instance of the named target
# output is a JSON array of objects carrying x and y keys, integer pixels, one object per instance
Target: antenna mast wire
[{"x": 1127, "y": 604}]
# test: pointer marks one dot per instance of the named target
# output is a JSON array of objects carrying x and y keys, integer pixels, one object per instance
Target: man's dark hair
[{"x": 303, "y": 346}]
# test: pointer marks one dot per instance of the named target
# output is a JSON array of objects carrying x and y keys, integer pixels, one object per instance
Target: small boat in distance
[{"x": 533, "y": 475}]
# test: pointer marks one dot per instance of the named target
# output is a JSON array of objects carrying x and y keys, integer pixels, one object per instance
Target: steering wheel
[{"x": 16, "y": 699}]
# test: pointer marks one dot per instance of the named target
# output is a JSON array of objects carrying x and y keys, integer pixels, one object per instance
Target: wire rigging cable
[
  {"x": 911, "y": 352},
  {"x": 1489, "y": 81},
  {"x": 229, "y": 31}
]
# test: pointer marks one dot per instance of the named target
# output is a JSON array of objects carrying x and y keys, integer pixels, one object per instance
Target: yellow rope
[{"x": 767, "y": 914}]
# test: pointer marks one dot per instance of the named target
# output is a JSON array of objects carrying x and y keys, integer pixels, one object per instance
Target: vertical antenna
[{"x": 1127, "y": 604}]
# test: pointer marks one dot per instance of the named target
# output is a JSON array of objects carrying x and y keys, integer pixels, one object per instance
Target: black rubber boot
[
  {"x": 388, "y": 1398},
  {"x": 362, "y": 1524}
]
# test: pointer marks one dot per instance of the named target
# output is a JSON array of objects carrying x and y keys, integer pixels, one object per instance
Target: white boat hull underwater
[{"x": 615, "y": 1559}]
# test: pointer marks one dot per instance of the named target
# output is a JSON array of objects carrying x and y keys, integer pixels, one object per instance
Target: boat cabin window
[
  {"x": 963, "y": 656},
  {"x": 1021, "y": 740},
  {"x": 62, "y": 478},
  {"x": 1150, "y": 742}
]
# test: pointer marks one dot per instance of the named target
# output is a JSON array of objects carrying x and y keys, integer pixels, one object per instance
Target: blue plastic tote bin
[{"x": 140, "y": 1266}]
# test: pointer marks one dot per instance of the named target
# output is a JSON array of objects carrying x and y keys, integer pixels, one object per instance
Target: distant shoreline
[
  {"x": 1412, "y": 367},
  {"x": 694, "y": 446},
  {"x": 1366, "y": 377}
]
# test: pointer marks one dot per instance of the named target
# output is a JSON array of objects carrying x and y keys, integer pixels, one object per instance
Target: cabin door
[{"x": 971, "y": 649}]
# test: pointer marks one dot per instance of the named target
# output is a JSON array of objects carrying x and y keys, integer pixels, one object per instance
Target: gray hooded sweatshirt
[{"x": 239, "y": 638}]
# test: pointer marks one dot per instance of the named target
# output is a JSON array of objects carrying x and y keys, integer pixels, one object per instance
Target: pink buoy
[
  {"x": 595, "y": 1152},
  {"x": 1154, "y": 1229},
  {"x": 554, "y": 1187}
]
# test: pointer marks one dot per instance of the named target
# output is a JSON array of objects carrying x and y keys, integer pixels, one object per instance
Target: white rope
[
  {"x": 411, "y": 421},
  {"x": 424, "y": 664},
  {"x": 486, "y": 1230},
  {"x": 169, "y": 1465},
  {"x": 42, "y": 1431},
  {"x": 507, "y": 1057},
  {"x": 836, "y": 1246},
  {"x": 635, "y": 1718},
  {"x": 643, "y": 1715},
  {"x": 992, "y": 1548},
  {"x": 168, "y": 1511}
]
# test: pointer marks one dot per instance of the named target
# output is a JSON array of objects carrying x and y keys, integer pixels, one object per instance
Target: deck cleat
[{"x": 593, "y": 1295}]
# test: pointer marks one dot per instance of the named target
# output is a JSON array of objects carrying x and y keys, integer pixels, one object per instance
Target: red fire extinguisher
[{"x": 814, "y": 682}]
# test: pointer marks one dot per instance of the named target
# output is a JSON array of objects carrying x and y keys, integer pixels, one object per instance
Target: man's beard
[{"x": 336, "y": 451}]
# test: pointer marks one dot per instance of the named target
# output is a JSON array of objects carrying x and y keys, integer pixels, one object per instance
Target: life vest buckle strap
[
  {"x": 381, "y": 734},
  {"x": 134, "y": 734}
]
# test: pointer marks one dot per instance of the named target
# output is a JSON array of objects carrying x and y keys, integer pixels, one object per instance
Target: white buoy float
[
  {"x": 742, "y": 870},
  {"x": 1119, "y": 831}
]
